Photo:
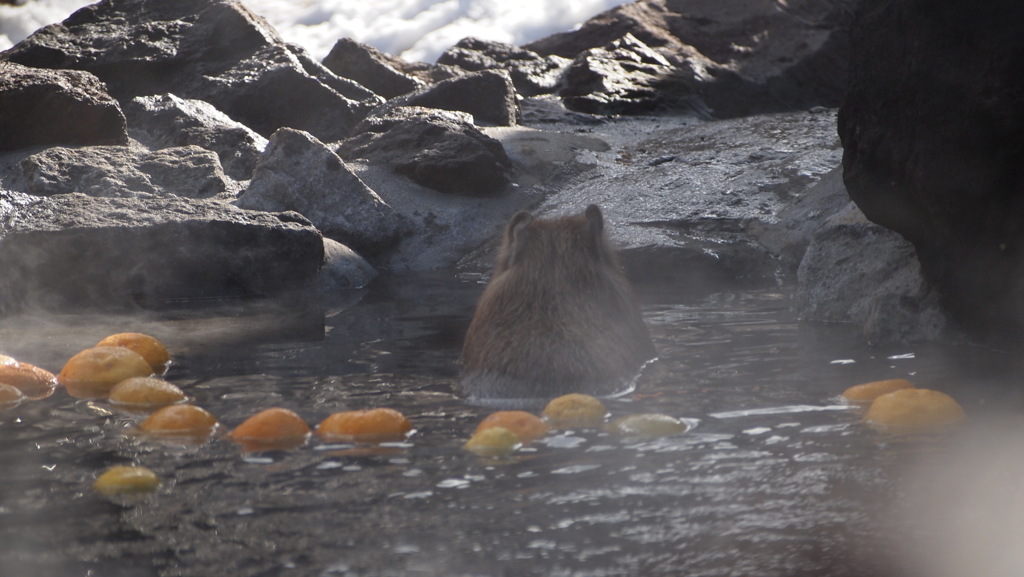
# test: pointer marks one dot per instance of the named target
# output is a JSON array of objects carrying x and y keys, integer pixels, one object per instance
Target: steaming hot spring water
[{"x": 777, "y": 476}]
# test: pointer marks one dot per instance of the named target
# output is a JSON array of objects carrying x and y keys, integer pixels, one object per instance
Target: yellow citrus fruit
[
  {"x": 180, "y": 421},
  {"x": 93, "y": 372},
  {"x": 867, "y": 392},
  {"x": 527, "y": 427},
  {"x": 648, "y": 425},
  {"x": 492, "y": 442},
  {"x": 575, "y": 410},
  {"x": 371, "y": 426},
  {"x": 146, "y": 346},
  {"x": 146, "y": 392},
  {"x": 274, "y": 429},
  {"x": 124, "y": 479},
  {"x": 911, "y": 410},
  {"x": 33, "y": 382}
]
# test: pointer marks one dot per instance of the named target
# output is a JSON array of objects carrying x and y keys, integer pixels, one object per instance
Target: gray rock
[
  {"x": 168, "y": 121},
  {"x": 488, "y": 95},
  {"x": 439, "y": 149},
  {"x": 343, "y": 269},
  {"x": 299, "y": 173},
  {"x": 121, "y": 171},
  {"x": 212, "y": 50},
  {"x": 858, "y": 272},
  {"x": 531, "y": 73},
  {"x": 371, "y": 68},
  {"x": 628, "y": 77},
  {"x": 47, "y": 107},
  {"x": 72, "y": 251}
]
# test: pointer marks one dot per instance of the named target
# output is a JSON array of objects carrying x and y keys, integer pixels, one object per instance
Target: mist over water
[{"x": 413, "y": 29}]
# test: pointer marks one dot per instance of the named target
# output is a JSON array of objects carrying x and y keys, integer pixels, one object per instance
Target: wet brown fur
[{"x": 557, "y": 316}]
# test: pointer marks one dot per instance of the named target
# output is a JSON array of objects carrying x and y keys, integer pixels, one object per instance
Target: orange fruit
[
  {"x": 93, "y": 372},
  {"x": 372, "y": 426},
  {"x": 180, "y": 421},
  {"x": 911, "y": 410},
  {"x": 526, "y": 426},
  {"x": 575, "y": 410},
  {"x": 33, "y": 382},
  {"x": 867, "y": 392},
  {"x": 148, "y": 347},
  {"x": 274, "y": 429},
  {"x": 648, "y": 425},
  {"x": 492, "y": 442},
  {"x": 124, "y": 479},
  {"x": 146, "y": 392},
  {"x": 10, "y": 397}
]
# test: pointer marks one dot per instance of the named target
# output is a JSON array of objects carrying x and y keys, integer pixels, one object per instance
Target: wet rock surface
[
  {"x": 932, "y": 132},
  {"x": 168, "y": 121},
  {"x": 74, "y": 252},
  {"x": 439, "y": 149},
  {"x": 299, "y": 173},
  {"x": 48, "y": 107}
]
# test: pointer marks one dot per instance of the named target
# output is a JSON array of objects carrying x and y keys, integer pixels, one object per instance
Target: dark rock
[
  {"x": 298, "y": 173},
  {"x": 212, "y": 50},
  {"x": 531, "y": 73},
  {"x": 121, "y": 171},
  {"x": 426, "y": 72},
  {"x": 439, "y": 149},
  {"x": 47, "y": 107},
  {"x": 933, "y": 137},
  {"x": 750, "y": 57},
  {"x": 371, "y": 68},
  {"x": 627, "y": 77},
  {"x": 488, "y": 95},
  {"x": 858, "y": 272},
  {"x": 168, "y": 121},
  {"x": 74, "y": 251}
]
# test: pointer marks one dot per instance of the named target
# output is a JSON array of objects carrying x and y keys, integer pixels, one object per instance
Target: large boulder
[
  {"x": 488, "y": 95},
  {"x": 121, "y": 171},
  {"x": 47, "y": 107},
  {"x": 212, "y": 50},
  {"x": 531, "y": 73},
  {"x": 749, "y": 56},
  {"x": 370, "y": 68},
  {"x": 439, "y": 149},
  {"x": 299, "y": 173},
  {"x": 628, "y": 77},
  {"x": 166, "y": 121},
  {"x": 72, "y": 251},
  {"x": 933, "y": 138}
]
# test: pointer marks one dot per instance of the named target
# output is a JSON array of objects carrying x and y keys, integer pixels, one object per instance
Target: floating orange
[
  {"x": 492, "y": 442},
  {"x": 33, "y": 382},
  {"x": 372, "y": 426},
  {"x": 124, "y": 479},
  {"x": 526, "y": 426},
  {"x": 148, "y": 347},
  {"x": 912, "y": 410},
  {"x": 575, "y": 410},
  {"x": 649, "y": 425},
  {"x": 180, "y": 421},
  {"x": 93, "y": 372},
  {"x": 146, "y": 392},
  {"x": 274, "y": 429},
  {"x": 867, "y": 392}
]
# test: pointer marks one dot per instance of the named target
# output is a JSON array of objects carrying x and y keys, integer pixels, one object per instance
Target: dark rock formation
[
  {"x": 46, "y": 107},
  {"x": 627, "y": 77},
  {"x": 168, "y": 121},
  {"x": 370, "y": 68},
  {"x": 439, "y": 149},
  {"x": 531, "y": 73},
  {"x": 74, "y": 251},
  {"x": 343, "y": 269},
  {"x": 121, "y": 171},
  {"x": 488, "y": 95},
  {"x": 298, "y": 173},
  {"x": 750, "y": 57},
  {"x": 212, "y": 50},
  {"x": 933, "y": 138}
]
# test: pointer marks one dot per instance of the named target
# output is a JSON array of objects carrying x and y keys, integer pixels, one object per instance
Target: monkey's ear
[
  {"x": 521, "y": 219},
  {"x": 595, "y": 221}
]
